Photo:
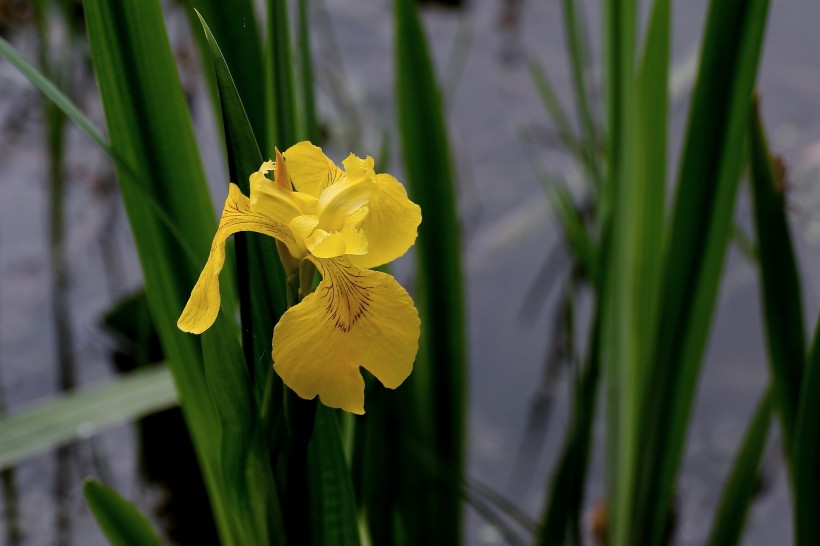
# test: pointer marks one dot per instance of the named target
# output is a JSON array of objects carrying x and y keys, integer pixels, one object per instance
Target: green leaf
[
  {"x": 150, "y": 128},
  {"x": 281, "y": 112},
  {"x": 556, "y": 111},
  {"x": 780, "y": 281},
  {"x": 262, "y": 292},
  {"x": 575, "y": 37},
  {"x": 82, "y": 413},
  {"x": 575, "y": 234},
  {"x": 332, "y": 503},
  {"x": 53, "y": 93},
  {"x": 806, "y": 452},
  {"x": 311, "y": 127},
  {"x": 440, "y": 375},
  {"x": 61, "y": 101},
  {"x": 121, "y": 522},
  {"x": 634, "y": 266},
  {"x": 651, "y": 128},
  {"x": 744, "y": 480},
  {"x": 700, "y": 230},
  {"x": 230, "y": 389},
  {"x": 235, "y": 23},
  {"x": 563, "y": 509}
]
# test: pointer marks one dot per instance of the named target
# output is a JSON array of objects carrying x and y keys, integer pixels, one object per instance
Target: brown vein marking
[
  {"x": 334, "y": 174},
  {"x": 347, "y": 294},
  {"x": 233, "y": 218}
]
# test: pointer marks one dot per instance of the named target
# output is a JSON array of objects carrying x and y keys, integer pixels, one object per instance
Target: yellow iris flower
[{"x": 344, "y": 222}]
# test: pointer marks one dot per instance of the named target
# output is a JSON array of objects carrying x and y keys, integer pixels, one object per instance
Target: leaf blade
[
  {"x": 121, "y": 522},
  {"x": 439, "y": 377},
  {"x": 743, "y": 480}
]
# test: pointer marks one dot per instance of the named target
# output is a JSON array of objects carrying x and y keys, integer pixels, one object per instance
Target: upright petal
[
  {"x": 310, "y": 169},
  {"x": 392, "y": 224},
  {"x": 342, "y": 200},
  {"x": 203, "y": 305},
  {"x": 354, "y": 318},
  {"x": 275, "y": 199},
  {"x": 356, "y": 167}
]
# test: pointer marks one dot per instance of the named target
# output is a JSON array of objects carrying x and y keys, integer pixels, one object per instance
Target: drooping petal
[
  {"x": 203, "y": 305},
  {"x": 310, "y": 169},
  {"x": 391, "y": 225},
  {"x": 356, "y": 317}
]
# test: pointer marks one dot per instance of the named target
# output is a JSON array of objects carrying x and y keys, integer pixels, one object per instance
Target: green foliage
[
  {"x": 281, "y": 112},
  {"x": 332, "y": 502},
  {"x": 261, "y": 279},
  {"x": 562, "y": 512},
  {"x": 699, "y": 232},
  {"x": 234, "y": 23},
  {"x": 75, "y": 415},
  {"x": 744, "y": 480},
  {"x": 437, "y": 386},
  {"x": 121, "y": 522},
  {"x": 806, "y": 452},
  {"x": 780, "y": 282},
  {"x": 275, "y": 465},
  {"x": 151, "y": 131}
]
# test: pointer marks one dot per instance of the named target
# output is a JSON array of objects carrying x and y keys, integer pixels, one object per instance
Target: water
[{"x": 507, "y": 237}]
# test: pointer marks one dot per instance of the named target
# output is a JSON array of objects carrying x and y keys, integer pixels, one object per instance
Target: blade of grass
[
  {"x": 556, "y": 112},
  {"x": 780, "y": 281},
  {"x": 55, "y": 95},
  {"x": 619, "y": 342},
  {"x": 262, "y": 294},
  {"x": 121, "y": 522},
  {"x": 150, "y": 128},
  {"x": 743, "y": 481},
  {"x": 569, "y": 216},
  {"x": 230, "y": 389},
  {"x": 234, "y": 23},
  {"x": 79, "y": 414},
  {"x": 563, "y": 509},
  {"x": 311, "y": 128},
  {"x": 700, "y": 230},
  {"x": 652, "y": 95},
  {"x": 635, "y": 263},
  {"x": 806, "y": 452},
  {"x": 575, "y": 34},
  {"x": 333, "y": 505},
  {"x": 283, "y": 128},
  {"x": 439, "y": 378},
  {"x": 378, "y": 460}
]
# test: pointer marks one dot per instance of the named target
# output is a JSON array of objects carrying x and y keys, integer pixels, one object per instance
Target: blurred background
[{"x": 62, "y": 273}]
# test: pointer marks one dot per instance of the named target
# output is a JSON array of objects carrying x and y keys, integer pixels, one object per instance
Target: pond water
[{"x": 481, "y": 52}]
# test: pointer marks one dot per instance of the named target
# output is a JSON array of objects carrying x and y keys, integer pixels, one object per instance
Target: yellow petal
[
  {"x": 302, "y": 227},
  {"x": 342, "y": 200},
  {"x": 203, "y": 305},
  {"x": 310, "y": 169},
  {"x": 356, "y": 317},
  {"x": 331, "y": 245},
  {"x": 274, "y": 199},
  {"x": 392, "y": 224},
  {"x": 356, "y": 167}
]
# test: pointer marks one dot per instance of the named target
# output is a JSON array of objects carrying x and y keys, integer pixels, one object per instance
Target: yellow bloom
[{"x": 344, "y": 222}]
